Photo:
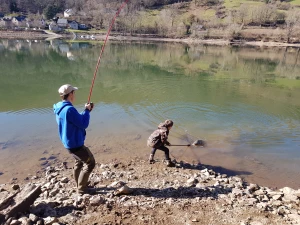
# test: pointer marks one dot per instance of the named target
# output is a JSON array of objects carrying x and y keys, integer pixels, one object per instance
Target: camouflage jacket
[{"x": 158, "y": 137}]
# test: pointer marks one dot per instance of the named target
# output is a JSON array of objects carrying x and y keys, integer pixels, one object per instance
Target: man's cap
[{"x": 66, "y": 89}]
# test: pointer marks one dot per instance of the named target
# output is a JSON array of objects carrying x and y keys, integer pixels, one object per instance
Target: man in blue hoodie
[{"x": 71, "y": 128}]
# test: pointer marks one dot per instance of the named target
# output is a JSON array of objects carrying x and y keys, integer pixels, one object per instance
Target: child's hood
[
  {"x": 162, "y": 126},
  {"x": 60, "y": 105}
]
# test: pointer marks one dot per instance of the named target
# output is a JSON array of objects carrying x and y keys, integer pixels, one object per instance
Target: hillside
[{"x": 227, "y": 19}]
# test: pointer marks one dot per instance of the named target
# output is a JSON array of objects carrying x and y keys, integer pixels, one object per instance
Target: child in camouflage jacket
[{"x": 158, "y": 139}]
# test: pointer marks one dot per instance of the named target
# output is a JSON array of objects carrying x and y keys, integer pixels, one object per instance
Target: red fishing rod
[{"x": 102, "y": 50}]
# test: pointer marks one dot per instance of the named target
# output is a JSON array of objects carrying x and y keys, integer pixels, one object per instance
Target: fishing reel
[{"x": 92, "y": 105}]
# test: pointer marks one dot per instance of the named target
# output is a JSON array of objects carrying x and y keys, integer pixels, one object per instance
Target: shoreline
[
  {"x": 114, "y": 37},
  {"x": 135, "y": 192}
]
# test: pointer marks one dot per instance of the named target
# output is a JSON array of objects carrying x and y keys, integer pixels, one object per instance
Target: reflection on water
[{"x": 243, "y": 101}]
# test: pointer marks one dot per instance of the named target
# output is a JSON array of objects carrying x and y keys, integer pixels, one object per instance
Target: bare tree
[
  {"x": 243, "y": 13},
  {"x": 292, "y": 22}
]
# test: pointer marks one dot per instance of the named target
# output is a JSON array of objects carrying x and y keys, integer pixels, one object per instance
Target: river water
[{"x": 243, "y": 101}]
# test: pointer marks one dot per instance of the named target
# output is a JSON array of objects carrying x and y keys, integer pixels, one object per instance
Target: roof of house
[
  {"x": 20, "y": 18},
  {"x": 62, "y": 21},
  {"x": 68, "y": 11},
  {"x": 6, "y": 19},
  {"x": 72, "y": 21}
]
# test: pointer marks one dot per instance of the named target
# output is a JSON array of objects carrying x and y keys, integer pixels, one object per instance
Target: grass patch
[
  {"x": 295, "y": 2},
  {"x": 208, "y": 14},
  {"x": 286, "y": 83},
  {"x": 229, "y": 4}
]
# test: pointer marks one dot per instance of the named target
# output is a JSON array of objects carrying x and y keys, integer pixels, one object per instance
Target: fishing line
[{"x": 102, "y": 49}]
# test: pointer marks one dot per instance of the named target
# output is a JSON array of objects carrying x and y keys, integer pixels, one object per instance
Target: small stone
[
  {"x": 253, "y": 187},
  {"x": 195, "y": 220},
  {"x": 124, "y": 190},
  {"x": 15, "y": 187},
  {"x": 191, "y": 181},
  {"x": 15, "y": 222},
  {"x": 40, "y": 222},
  {"x": 97, "y": 201},
  {"x": 281, "y": 211},
  {"x": 24, "y": 220},
  {"x": 50, "y": 220},
  {"x": 277, "y": 197},
  {"x": 64, "y": 180},
  {"x": 53, "y": 192},
  {"x": 33, "y": 217}
]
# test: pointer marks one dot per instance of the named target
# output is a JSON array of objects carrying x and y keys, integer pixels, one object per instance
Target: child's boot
[
  {"x": 151, "y": 159},
  {"x": 170, "y": 163}
]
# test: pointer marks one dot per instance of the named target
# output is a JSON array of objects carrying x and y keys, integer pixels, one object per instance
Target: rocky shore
[{"x": 135, "y": 192}]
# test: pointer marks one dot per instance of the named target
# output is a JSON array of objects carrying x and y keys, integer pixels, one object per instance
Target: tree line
[{"x": 169, "y": 20}]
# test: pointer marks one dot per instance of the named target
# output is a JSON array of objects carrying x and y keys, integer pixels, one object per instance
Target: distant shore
[{"x": 115, "y": 37}]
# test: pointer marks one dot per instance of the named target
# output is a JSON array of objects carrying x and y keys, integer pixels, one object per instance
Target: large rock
[{"x": 23, "y": 200}]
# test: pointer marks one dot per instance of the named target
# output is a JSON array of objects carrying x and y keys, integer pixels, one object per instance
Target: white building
[{"x": 68, "y": 13}]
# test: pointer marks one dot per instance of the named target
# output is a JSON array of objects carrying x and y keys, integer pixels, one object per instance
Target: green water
[{"x": 244, "y": 100}]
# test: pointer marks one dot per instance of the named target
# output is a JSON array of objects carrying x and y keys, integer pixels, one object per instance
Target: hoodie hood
[
  {"x": 60, "y": 105},
  {"x": 162, "y": 126}
]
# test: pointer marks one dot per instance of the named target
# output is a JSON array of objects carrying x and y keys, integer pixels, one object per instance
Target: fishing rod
[{"x": 102, "y": 49}]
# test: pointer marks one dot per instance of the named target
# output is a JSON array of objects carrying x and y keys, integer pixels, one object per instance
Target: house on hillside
[
  {"x": 6, "y": 23},
  {"x": 54, "y": 27},
  {"x": 39, "y": 23},
  {"x": 62, "y": 23},
  {"x": 68, "y": 13},
  {"x": 73, "y": 25},
  {"x": 82, "y": 26},
  {"x": 19, "y": 21}
]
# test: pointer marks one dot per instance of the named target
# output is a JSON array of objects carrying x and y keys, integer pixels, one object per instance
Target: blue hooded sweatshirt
[{"x": 71, "y": 124}]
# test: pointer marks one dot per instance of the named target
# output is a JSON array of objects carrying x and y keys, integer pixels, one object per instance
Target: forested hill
[{"x": 174, "y": 18}]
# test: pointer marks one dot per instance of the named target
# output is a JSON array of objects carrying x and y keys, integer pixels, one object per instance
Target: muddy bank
[{"x": 135, "y": 192}]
